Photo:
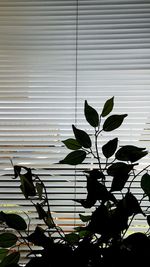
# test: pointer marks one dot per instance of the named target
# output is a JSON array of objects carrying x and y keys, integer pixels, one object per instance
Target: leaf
[
  {"x": 3, "y": 253},
  {"x": 84, "y": 218},
  {"x": 98, "y": 191},
  {"x": 72, "y": 144},
  {"x": 11, "y": 259},
  {"x": 120, "y": 172},
  {"x": 41, "y": 212},
  {"x": 39, "y": 188},
  {"x": 109, "y": 148},
  {"x": 72, "y": 238},
  {"x": 119, "y": 168},
  {"x": 84, "y": 233},
  {"x": 91, "y": 115},
  {"x": 145, "y": 184},
  {"x": 74, "y": 158},
  {"x": 130, "y": 153},
  {"x": 99, "y": 220},
  {"x": 131, "y": 205},
  {"x": 14, "y": 221},
  {"x": 7, "y": 240},
  {"x": 113, "y": 122},
  {"x": 49, "y": 221},
  {"x": 108, "y": 106},
  {"x": 82, "y": 137},
  {"x": 39, "y": 238},
  {"x": 118, "y": 183},
  {"x": 139, "y": 243},
  {"x": 27, "y": 185},
  {"x": 17, "y": 170}
]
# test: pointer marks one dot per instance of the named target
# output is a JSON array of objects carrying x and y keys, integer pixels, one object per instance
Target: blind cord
[{"x": 76, "y": 96}]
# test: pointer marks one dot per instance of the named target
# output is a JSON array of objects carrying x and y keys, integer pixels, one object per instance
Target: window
[{"x": 53, "y": 56}]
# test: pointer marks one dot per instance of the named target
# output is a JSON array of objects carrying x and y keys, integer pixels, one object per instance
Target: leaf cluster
[{"x": 104, "y": 238}]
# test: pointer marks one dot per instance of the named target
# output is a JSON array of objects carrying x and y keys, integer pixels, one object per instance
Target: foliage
[{"x": 103, "y": 240}]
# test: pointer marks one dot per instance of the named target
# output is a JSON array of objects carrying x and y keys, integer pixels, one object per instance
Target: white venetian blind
[{"x": 42, "y": 44}]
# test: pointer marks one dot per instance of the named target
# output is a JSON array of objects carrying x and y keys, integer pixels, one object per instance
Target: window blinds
[{"x": 53, "y": 56}]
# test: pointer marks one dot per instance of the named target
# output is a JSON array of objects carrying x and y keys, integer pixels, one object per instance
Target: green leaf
[
  {"x": 84, "y": 218},
  {"x": 27, "y": 185},
  {"x": 11, "y": 259},
  {"x": 74, "y": 158},
  {"x": 91, "y": 115},
  {"x": 39, "y": 188},
  {"x": 110, "y": 147},
  {"x": 130, "y": 153},
  {"x": 113, "y": 122},
  {"x": 72, "y": 144},
  {"x": 7, "y": 240},
  {"x": 84, "y": 233},
  {"x": 145, "y": 184},
  {"x": 108, "y": 106},
  {"x": 14, "y": 221},
  {"x": 3, "y": 253},
  {"x": 72, "y": 238},
  {"x": 82, "y": 137}
]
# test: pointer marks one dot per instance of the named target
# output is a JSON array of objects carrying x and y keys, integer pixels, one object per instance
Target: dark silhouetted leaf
[
  {"x": 7, "y": 240},
  {"x": 41, "y": 212},
  {"x": 108, "y": 106},
  {"x": 17, "y": 170},
  {"x": 118, "y": 182},
  {"x": 99, "y": 220},
  {"x": 39, "y": 188},
  {"x": 131, "y": 205},
  {"x": 145, "y": 184},
  {"x": 98, "y": 191},
  {"x": 83, "y": 233},
  {"x": 113, "y": 122},
  {"x": 130, "y": 153},
  {"x": 11, "y": 259},
  {"x": 72, "y": 144},
  {"x": 3, "y": 253},
  {"x": 91, "y": 115},
  {"x": 110, "y": 148},
  {"x": 120, "y": 172},
  {"x": 39, "y": 238},
  {"x": 72, "y": 238},
  {"x": 14, "y": 221},
  {"x": 82, "y": 137},
  {"x": 138, "y": 242},
  {"x": 85, "y": 218},
  {"x": 27, "y": 186},
  {"x": 118, "y": 168},
  {"x": 74, "y": 158}
]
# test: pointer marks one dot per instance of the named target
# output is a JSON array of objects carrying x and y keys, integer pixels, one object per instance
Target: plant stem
[
  {"x": 135, "y": 175},
  {"x": 97, "y": 152}
]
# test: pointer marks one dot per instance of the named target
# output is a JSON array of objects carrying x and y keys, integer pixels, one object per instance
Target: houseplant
[{"x": 104, "y": 239}]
